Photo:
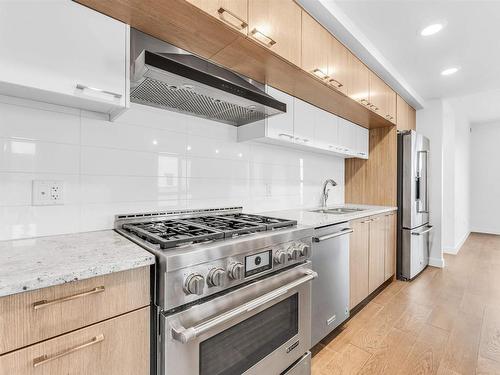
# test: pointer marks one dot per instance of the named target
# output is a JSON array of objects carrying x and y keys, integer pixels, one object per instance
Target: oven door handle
[{"x": 185, "y": 335}]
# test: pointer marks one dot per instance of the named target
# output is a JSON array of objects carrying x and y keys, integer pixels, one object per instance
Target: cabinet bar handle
[
  {"x": 45, "y": 303},
  {"x": 242, "y": 24},
  {"x": 258, "y": 35},
  {"x": 45, "y": 358},
  {"x": 79, "y": 86},
  {"x": 285, "y": 135},
  {"x": 337, "y": 83},
  {"x": 320, "y": 74}
]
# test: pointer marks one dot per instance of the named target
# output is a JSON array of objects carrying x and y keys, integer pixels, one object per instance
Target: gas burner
[
  {"x": 172, "y": 233},
  {"x": 181, "y": 229},
  {"x": 229, "y": 226},
  {"x": 269, "y": 222}
]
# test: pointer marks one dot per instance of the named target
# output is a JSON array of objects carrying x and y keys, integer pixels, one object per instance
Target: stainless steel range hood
[{"x": 167, "y": 77}]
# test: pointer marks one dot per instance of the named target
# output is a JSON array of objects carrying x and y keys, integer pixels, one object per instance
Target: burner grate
[
  {"x": 172, "y": 233},
  {"x": 230, "y": 227},
  {"x": 269, "y": 222}
]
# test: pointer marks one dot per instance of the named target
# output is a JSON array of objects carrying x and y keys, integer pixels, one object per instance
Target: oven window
[{"x": 238, "y": 348}]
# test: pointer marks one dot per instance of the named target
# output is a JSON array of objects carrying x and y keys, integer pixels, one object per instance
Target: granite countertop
[
  {"x": 316, "y": 219},
  {"x": 41, "y": 262}
]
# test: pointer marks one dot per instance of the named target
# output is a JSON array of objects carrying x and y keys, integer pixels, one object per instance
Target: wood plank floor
[{"x": 446, "y": 322}]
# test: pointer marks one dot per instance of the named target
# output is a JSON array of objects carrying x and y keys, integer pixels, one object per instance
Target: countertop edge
[{"x": 36, "y": 282}]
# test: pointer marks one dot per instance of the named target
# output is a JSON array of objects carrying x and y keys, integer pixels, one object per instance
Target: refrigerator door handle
[
  {"x": 422, "y": 195},
  {"x": 429, "y": 228}
]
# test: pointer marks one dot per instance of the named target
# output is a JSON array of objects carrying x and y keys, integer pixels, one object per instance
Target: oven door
[{"x": 260, "y": 328}]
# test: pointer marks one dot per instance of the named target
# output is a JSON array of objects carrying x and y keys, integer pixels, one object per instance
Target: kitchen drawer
[
  {"x": 117, "y": 346},
  {"x": 37, "y": 315}
]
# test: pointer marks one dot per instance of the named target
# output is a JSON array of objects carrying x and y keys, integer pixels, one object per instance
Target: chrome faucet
[{"x": 324, "y": 196}]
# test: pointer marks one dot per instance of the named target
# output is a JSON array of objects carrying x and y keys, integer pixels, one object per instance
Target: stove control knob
[
  {"x": 305, "y": 250},
  {"x": 235, "y": 270},
  {"x": 194, "y": 284},
  {"x": 216, "y": 277},
  {"x": 280, "y": 257},
  {"x": 293, "y": 252}
]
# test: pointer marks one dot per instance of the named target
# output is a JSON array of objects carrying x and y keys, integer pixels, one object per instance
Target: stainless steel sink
[{"x": 338, "y": 211}]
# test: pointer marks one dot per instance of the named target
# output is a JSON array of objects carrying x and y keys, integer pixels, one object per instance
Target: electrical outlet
[
  {"x": 48, "y": 192},
  {"x": 269, "y": 190}
]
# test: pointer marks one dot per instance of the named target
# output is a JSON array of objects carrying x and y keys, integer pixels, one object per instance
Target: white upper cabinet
[
  {"x": 303, "y": 122},
  {"x": 281, "y": 126},
  {"x": 362, "y": 142},
  {"x": 64, "y": 53},
  {"x": 307, "y": 127},
  {"x": 326, "y": 131}
]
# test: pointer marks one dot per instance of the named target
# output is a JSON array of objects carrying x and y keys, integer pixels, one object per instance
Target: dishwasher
[{"x": 330, "y": 290}]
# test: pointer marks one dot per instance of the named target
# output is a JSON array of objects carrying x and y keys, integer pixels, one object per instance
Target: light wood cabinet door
[
  {"x": 390, "y": 245},
  {"x": 232, "y": 12},
  {"x": 406, "y": 115},
  {"x": 338, "y": 66},
  {"x": 359, "y": 80},
  {"x": 315, "y": 43},
  {"x": 391, "y": 104},
  {"x": 378, "y": 95},
  {"x": 26, "y": 318},
  {"x": 412, "y": 118},
  {"x": 376, "y": 271},
  {"x": 119, "y": 346},
  {"x": 358, "y": 262},
  {"x": 277, "y": 26}
]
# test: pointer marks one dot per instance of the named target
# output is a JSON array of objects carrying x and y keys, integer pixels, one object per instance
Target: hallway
[{"x": 445, "y": 322}]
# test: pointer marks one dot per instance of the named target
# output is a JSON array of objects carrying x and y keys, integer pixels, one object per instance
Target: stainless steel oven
[{"x": 259, "y": 328}]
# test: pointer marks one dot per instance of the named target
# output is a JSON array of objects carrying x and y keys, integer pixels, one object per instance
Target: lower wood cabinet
[
  {"x": 376, "y": 269},
  {"x": 30, "y": 317},
  {"x": 118, "y": 346},
  {"x": 372, "y": 255},
  {"x": 390, "y": 245},
  {"x": 358, "y": 261}
]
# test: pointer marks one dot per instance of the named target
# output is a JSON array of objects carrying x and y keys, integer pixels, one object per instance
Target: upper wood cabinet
[
  {"x": 315, "y": 47},
  {"x": 391, "y": 104},
  {"x": 359, "y": 80},
  {"x": 405, "y": 115},
  {"x": 377, "y": 97},
  {"x": 338, "y": 66},
  {"x": 277, "y": 26},
  {"x": 412, "y": 118},
  {"x": 232, "y": 12}
]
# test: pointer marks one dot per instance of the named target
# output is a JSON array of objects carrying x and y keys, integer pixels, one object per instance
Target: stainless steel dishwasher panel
[{"x": 330, "y": 291}]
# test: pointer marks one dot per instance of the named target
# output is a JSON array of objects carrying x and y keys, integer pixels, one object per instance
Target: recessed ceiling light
[
  {"x": 432, "y": 29},
  {"x": 449, "y": 71}
]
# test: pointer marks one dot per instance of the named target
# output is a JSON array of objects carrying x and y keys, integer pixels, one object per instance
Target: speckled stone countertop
[
  {"x": 317, "y": 219},
  {"x": 41, "y": 262}
]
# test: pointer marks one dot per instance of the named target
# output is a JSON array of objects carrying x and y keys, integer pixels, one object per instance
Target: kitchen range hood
[{"x": 167, "y": 77}]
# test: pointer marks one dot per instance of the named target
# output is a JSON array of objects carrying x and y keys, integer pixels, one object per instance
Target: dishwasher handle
[{"x": 333, "y": 235}]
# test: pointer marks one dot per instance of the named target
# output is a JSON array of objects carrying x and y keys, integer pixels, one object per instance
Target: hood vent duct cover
[{"x": 188, "y": 84}]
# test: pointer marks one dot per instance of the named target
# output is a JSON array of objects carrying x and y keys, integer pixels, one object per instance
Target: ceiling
[{"x": 469, "y": 40}]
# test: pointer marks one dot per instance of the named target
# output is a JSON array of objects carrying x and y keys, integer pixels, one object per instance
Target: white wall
[
  {"x": 149, "y": 159},
  {"x": 429, "y": 124},
  {"x": 485, "y": 175}
]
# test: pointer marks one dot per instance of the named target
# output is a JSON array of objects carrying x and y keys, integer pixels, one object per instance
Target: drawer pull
[
  {"x": 263, "y": 38},
  {"x": 241, "y": 24},
  {"x": 45, "y": 303},
  {"x": 45, "y": 358}
]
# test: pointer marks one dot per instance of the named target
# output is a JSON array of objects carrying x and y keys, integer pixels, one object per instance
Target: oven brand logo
[{"x": 293, "y": 346}]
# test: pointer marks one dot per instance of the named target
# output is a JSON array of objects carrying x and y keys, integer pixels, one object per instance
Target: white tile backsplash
[{"x": 146, "y": 160}]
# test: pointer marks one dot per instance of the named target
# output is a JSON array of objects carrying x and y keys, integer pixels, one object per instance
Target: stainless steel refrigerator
[{"x": 414, "y": 229}]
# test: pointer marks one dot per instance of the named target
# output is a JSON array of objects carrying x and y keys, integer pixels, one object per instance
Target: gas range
[
  {"x": 203, "y": 252},
  {"x": 232, "y": 290}
]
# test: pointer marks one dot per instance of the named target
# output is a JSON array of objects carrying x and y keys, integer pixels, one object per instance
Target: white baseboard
[
  {"x": 436, "y": 262},
  {"x": 455, "y": 249}
]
